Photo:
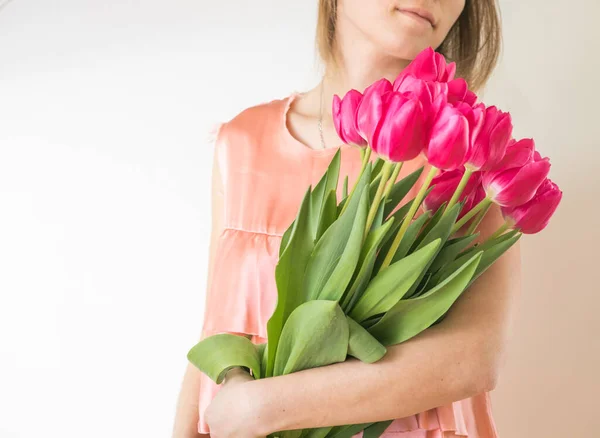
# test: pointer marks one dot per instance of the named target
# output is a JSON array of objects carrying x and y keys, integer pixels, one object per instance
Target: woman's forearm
[{"x": 431, "y": 370}]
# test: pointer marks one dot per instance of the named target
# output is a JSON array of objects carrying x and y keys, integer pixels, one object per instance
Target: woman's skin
[{"x": 454, "y": 360}]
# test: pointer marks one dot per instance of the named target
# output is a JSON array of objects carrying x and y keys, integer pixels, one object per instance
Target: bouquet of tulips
[{"x": 362, "y": 273}]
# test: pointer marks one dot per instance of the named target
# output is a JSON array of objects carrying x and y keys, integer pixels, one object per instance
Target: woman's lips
[{"x": 418, "y": 15}]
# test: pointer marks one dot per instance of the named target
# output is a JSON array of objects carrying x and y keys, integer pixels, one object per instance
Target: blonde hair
[{"x": 474, "y": 41}]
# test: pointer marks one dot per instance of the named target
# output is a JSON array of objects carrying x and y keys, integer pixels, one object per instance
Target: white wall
[{"x": 104, "y": 112}]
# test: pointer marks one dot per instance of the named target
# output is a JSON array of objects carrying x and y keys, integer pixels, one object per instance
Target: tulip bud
[
  {"x": 344, "y": 117},
  {"x": 445, "y": 184},
  {"x": 533, "y": 216},
  {"x": 490, "y": 145},
  {"x": 517, "y": 177}
]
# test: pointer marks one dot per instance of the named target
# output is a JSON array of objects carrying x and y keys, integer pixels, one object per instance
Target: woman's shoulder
[{"x": 256, "y": 118}]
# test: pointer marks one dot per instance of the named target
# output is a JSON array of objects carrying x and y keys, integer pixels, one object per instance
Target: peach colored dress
[{"x": 265, "y": 172}]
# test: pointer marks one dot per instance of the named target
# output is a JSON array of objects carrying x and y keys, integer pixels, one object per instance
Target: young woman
[{"x": 435, "y": 385}]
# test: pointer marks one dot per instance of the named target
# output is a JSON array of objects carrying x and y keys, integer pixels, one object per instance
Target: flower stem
[
  {"x": 478, "y": 220},
  {"x": 500, "y": 230},
  {"x": 467, "y": 217},
  {"x": 385, "y": 174},
  {"x": 461, "y": 187},
  {"x": 365, "y": 154},
  {"x": 408, "y": 218},
  {"x": 392, "y": 179}
]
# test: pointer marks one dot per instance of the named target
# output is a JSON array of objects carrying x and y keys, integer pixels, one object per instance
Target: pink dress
[{"x": 265, "y": 172}]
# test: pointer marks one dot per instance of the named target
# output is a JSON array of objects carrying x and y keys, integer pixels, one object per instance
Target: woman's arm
[
  {"x": 456, "y": 359},
  {"x": 186, "y": 415}
]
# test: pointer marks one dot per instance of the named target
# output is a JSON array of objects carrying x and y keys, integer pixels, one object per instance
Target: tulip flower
[
  {"x": 429, "y": 66},
  {"x": 474, "y": 198},
  {"x": 533, "y": 216},
  {"x": 489, "y": 146},
  {"x": 344, "y": 117},
  {"x": 452, "y": 134},
  {"x": 444, "y": 186},
  {"x": 518, "y": 176},
  {"x": 458, "y": 91},
  {"x": 392, "y": 122}
]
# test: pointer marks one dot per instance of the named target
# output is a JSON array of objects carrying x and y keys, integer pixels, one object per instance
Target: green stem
[
  {"x": 461, "y": 186},
  {"x": 478, "y": 220},
  {"x": 385, "y": 174},
  {"x": 467, "y": 217},
  {"x": 393, "y": 178},
  {"x": 366, "y": 154},
  {"x": 408, "y": 218},
  {"x": 500, "y": 230}
]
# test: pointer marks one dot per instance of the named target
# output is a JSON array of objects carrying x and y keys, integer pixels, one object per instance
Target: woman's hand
[{"x": 232, "y": 413}]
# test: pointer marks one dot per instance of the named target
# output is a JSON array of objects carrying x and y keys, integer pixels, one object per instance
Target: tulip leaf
[
  {"x": 410, "y": 317},
  {"x": 442, "y": 229},
  {"x": 345, "y": 187},
  {"x": 448, "y": 269},
  {"x": 286, "y": 238},
  {"x": 392, "y": 283},
  {"x": 335, "y": 255},
  {"x": 409, "y": 237},
  {"x": 262, "y": 354},
  {"x": 399, "y": 191},
  {"x": 362, "y": 345},
  {"x": 289, "y": 273},
  {"x": 452, "y": 248},
  {"x": 328, "y": 214},
  {"x": 316, "y": 334},
  {"x": 377, "y": 165},
  {"x": 347, "y": 431},
  {"x": 432, "y": 223},
  {"x": 376, "y": 429},
  {"x": 328, "y": 182},
  {"x": 320, "y": 432},
  {"x": 217, "y": 354},
  {"x": 366, "y": 261},
  {"x": 492, "y": 254}
]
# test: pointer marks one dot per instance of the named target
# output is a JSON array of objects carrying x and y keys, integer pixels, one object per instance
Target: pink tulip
[
  {"x": 533, "y": 216},
  {"x": 429, "y": 66},
  {"x": 458, "y": 91},
  {"x": 432, "y": 95},
  {"x": 370, "y": 109},
  {"x": 445, "y": 184},
  {"x": 391, "y": 122},
  {"x": 476, "y": 196},
  {"x": 344, "y": 117},
  {"x": 452, "y": 134},
  {"x": 517, "y": 177},
  {"x": 489, "y": 147}
]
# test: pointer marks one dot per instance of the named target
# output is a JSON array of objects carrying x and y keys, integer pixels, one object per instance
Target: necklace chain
[{"x": 320, "y": 123}]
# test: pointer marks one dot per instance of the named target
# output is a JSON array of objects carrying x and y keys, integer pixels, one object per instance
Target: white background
[{"x": 105, "y": 109}]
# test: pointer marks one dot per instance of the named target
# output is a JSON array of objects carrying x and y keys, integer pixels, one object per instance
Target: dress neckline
[{"x": 330, "y": 151}]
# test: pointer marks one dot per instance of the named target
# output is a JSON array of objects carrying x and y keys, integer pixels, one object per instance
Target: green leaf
[
  {"x": 362, "y": 275},
  {"x": 390, "y": 285},
  {"x": 286, "y": 238},
  {"x": 399, "y": 191},
  {"x": 376, "y": 167},
  {"x": 347, "y": 431},
  {"x": 326, "y": 184},
  {"x": 451, "y": 249},
  {"x": 315, "y": 334},
  {"x": 362, "y": 345},
  {"x": 262, "y": 354},
  {"x": 345, "y": 187},
  {"x": 410, "y": 317},
  {"x": 336, "y": 254},
  {"x": 442, "y": 229},
  {"x": 328, "y": 214},
  {"x": 376, "y": 429},
  {"x": 289, "y": 274},
  {"x": 217, "y": 354},
  {"x": 492, "y": 254},
  {"x": 409, "y": 237},
  {"x": 448, "y": 269},
  {"x": 432, "y": 223}
]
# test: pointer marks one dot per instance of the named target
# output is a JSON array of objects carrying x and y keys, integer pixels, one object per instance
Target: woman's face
[{"x": 401, "y": 28}]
